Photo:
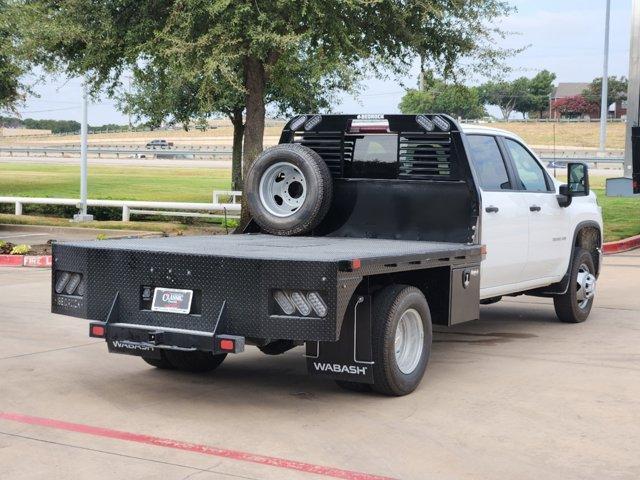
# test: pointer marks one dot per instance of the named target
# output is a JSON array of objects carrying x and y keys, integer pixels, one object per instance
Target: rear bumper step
[{"x": 144, "y": 340}]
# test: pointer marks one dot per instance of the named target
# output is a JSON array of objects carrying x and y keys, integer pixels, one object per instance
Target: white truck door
[
  {"x": 504, "y": 226},
  {"x": 548, "y": 222}
]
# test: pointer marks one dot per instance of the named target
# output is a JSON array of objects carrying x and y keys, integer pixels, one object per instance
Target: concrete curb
[
  {"x": 42, "y": 261},
  {"x": 621, "y": 245}
]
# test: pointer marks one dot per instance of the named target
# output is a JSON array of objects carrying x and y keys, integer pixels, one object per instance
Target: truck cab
[{"x": 530, "y": 236}]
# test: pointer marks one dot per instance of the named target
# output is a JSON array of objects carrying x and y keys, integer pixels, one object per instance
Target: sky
[{"x": 563, "y": 36}]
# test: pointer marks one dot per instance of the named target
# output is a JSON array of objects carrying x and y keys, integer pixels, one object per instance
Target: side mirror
[{"x": 577, "y": 184}]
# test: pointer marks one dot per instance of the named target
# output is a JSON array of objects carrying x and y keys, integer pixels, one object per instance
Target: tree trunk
[
  {"x": 236, "y": 153},
  {"x": 255, "y": 80}
]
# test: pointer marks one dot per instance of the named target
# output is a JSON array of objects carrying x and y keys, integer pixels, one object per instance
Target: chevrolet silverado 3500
[{"x": 365, "y": 230}]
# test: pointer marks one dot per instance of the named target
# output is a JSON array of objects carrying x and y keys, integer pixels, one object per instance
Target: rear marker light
[
  {"x": 300, "y": 303},
  {"x": 97, "y": 331},
  {"x": 313, "y": 122},
  {"x": 298, "y": 122},
  {"x": 284, "y": 303},
  {"x": 63, "y": 278},
  {"x": 425, "y": 123},
  {"x": 227, "y": 345},
  {"x": 82, "y": 287},
  {"x": 72, "y": 284},
  {"x": 316, "y": 302},
  {"x": 441, "y": 123}
]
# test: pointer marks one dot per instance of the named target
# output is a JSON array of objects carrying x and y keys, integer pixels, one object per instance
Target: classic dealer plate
[{"x": 172, "y": 300}]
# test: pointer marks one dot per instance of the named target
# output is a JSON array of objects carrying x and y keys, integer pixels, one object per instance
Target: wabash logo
[
  {"x": 337, "y": 368},
  {"x": 132, "y": 346}
]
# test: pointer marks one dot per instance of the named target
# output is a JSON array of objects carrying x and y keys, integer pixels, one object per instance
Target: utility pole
[
  {"x": 82, "y": 215},
  {"x": 604, "y": 104},
  {"x": 633, "y": 94}
]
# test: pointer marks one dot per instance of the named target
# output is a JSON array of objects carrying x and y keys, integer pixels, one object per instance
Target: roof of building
[{"x": 569, "y": 89}]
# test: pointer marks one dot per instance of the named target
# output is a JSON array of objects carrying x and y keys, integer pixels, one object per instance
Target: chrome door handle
[
  {"x": 535, "y": 208},
  {"x": 491, "y": 209}
]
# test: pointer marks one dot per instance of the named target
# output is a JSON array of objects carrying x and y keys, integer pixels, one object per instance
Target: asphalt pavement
[{"x": 515, "y": 395}]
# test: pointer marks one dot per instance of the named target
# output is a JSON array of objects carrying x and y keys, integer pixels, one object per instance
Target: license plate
[{"x": 172, "y": 300}]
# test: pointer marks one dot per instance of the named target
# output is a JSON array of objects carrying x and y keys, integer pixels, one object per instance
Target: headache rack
[{"x": 428, "y": 146}]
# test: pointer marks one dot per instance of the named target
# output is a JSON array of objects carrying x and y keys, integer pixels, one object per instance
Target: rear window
[
  {"x": 375, "y": 156},
  {"x": 488, "y": 163}
]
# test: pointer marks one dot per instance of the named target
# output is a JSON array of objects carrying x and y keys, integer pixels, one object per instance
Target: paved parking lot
[{"x": 516, "y": 395}]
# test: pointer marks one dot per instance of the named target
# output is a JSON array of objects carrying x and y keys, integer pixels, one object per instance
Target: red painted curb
[
  {"x": 190, "y": 447},
  {"x": 42, "y": 261},
  {"x": 621, "y": 245}
]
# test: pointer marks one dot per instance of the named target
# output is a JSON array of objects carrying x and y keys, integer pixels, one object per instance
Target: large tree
[
  {"x": 536, "y": 93},
  {"x": 438, "y": 96},
  {"x": 12, "y": 89},
  {"x": 504, "y": 94},
  {"x": 251, "y": 47},
  {"x": 616, "y": 90}
]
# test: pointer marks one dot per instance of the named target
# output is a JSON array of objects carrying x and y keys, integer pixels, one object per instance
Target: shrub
[{"x": 20, "y": 250}]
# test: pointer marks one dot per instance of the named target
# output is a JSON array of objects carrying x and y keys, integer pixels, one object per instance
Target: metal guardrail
[
  {"x": 588, "y": 160},
  {"x": 116, "y": 151},
  {"x": 132, "y": 206}
]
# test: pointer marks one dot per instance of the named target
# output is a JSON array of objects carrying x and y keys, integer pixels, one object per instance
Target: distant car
[{"x": 159, "y": 144}]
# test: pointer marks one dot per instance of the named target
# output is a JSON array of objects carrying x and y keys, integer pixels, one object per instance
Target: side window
[
  {"x": 531, "y": 174},
  {"x": 488, "y": 163}
]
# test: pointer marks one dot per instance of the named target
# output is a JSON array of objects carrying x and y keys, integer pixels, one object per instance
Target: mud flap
[{"x": 351, "y": 357}]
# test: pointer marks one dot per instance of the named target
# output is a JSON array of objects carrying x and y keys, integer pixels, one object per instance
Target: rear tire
[
  {"x": 575, "y": 304},
  {"x": 402, "y": 336},
  {"x": 196, "y": 362}
]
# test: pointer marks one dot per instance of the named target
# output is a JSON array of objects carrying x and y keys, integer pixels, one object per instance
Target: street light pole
[
  {"x": 83, "y": 216},
  {"x": 604, "y": 104}
]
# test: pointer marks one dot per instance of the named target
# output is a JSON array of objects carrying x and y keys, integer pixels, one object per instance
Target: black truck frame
[{"x": 412, "y": 221}]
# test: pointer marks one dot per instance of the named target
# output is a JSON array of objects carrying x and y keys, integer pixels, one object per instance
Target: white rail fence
[{"x": 215, "y": 209}]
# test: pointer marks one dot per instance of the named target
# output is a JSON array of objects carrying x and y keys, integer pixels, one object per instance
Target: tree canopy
[
  {"x": 11, "y": 67},
  {"x": 207, "y": 56},
  {"x": 438, "y": 96},
  {"x": 616, "y": 90},
  {"x": 524, "y": 95}
]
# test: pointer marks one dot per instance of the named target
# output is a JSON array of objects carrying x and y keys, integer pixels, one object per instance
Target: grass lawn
[
  {"x": 621, "y": 215},
  {"x": 113, "y": 183},
  {"x": 577, "y": 134},
  {"x": 170, "y": 228}
]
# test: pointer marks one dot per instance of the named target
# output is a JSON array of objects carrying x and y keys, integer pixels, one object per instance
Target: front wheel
[
  {"x": 575, "y": 304},
  {"x": 402, "y": 337}
]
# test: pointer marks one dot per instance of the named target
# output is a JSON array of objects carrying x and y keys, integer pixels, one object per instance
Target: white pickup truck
[
  {"x": 364, "y": 232},
  {"x": 535, "y": 242}
]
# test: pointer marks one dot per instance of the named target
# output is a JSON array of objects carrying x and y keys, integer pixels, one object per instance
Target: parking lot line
[{"x": 190, "y": 447}]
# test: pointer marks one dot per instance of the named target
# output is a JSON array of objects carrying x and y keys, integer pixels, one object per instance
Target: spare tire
[{"x": 289, "y": 189}]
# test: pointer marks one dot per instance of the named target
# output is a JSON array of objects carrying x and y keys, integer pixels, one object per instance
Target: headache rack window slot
[
  {"x": 331, "y": 147},
  {"x": 426, "y": 156}
]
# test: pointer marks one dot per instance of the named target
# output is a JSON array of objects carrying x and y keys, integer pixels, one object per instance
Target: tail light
[
  {"x": 300, "y": 303},
  {"x": 70, "y": 283}
]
